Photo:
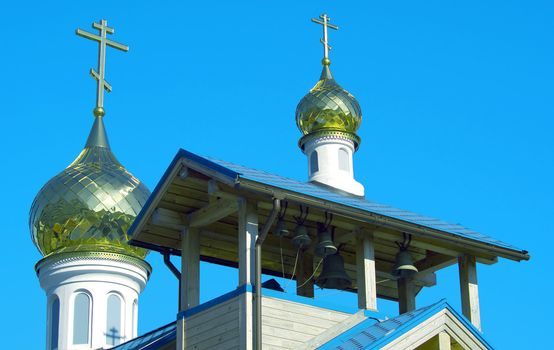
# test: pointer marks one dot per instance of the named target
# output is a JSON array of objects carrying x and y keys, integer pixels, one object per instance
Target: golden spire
[
  {"x": 325, "y": 40},
  {"x": 99, "y": 76}
]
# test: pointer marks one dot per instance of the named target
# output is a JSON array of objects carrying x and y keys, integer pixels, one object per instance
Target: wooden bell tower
[{"x": 213, "y": 211}]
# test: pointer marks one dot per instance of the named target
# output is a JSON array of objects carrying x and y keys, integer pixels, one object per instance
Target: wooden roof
[{"x": 204, "y": 193}]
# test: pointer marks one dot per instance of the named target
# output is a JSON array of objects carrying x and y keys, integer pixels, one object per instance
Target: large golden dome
[
  {"x": 328, "y": 109},
  {"x": 90, "y": 205}
]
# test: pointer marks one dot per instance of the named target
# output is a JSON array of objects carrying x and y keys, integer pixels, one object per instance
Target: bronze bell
[
  {"x": 325, "y": 245},
  {"x": 404, "y": 265},
  {"x": 301, "y": 238},
  {"x": 333, "y": 275},
  {"x": 281, "y": 229}
]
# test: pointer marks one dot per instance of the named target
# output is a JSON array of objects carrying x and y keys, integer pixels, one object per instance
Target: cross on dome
[
  {"x": 325, "y": 40},
  {"x": 99, "y": 75}
]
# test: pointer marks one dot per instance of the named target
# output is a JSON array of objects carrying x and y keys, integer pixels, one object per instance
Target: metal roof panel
[
  {"x": 374, "y": 334},
  {"x": 234, "y": 174},
  {"x": 322, "y": 192}
]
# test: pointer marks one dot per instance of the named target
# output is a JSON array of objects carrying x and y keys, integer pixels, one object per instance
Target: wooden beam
[
  {"x": 469, "y": 289},
  {"x": 305, "y": 272},
  {"x": 183, "y": 173},
  {"x": 384, "y": 271},
  {"x": 155, "y": 201},
  {"x": 435, "y": 244},
  {"x": 434, "y": 262},
  {"x": 216, "y": 192},
  {"x": 180, "y": 343},
  {"x": 406, "y": 295},
  {"x": 365, "y": 268},
  {"x": 211, "y": 213},
  {"x": 246, "y": 329},
  {"x": 168, "y": 218},
  {"x": 190, "y": 269},
  {"x": 440, "y": 341},
  {"x": 444, "y": 341},
  {"x": 248, "y": 233},
  {"x": 189, "y": 285}
]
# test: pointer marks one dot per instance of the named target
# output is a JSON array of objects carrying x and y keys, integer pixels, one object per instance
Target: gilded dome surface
[
  {"x": 329, "y": 107},
  {"x": 90, "y": 205}
]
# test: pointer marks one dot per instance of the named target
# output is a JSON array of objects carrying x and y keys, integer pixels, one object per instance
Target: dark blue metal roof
[
  {"x": 151, "y": 340},
  {"x": 323, "y": 192},
  {"x": 372, "y": 334}
]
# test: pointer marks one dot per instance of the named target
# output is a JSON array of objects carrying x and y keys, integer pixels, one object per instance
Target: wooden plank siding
[
  {"x": 214, "y": 328},
  {"x": 287, "y": 324}
]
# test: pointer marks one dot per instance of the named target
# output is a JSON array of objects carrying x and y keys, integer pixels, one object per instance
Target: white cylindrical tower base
[
  {"x": 330, "y": 163},
  {"x": 92, "y": 298}
]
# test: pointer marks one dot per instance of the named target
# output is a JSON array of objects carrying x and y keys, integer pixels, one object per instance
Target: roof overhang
[{"x": 198, "y": 192}]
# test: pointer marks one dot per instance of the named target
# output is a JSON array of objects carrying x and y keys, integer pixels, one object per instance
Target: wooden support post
[
  {"x": 248, "y": 233},
  {"x": 181, "y": 343},
  {"x": 406, "y": 295},
  {"x": 444, "y": 341},
  {"x": 440, "y": 341},
  {"x": 365, "y": 268},
  {"x": 305, "y": 271},
  {"x": 190, "y": 268},
  {"x": 189, "y": 285},
  {"x": 469, "y": 289}
]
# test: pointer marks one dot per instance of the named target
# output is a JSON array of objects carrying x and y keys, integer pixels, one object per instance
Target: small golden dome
[
  {"x": 90, "y": 205},
  {"x": 328, "y": 109}
]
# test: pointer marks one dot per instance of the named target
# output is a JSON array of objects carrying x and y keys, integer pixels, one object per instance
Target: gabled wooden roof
[{"x": 203, "y": 192}]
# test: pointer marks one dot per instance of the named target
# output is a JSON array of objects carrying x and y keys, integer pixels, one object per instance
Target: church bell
[
  {"x": 281, "y": 229},
  {"x": 333, "y": 275},
  {"x": 301, "y": 238},
  {"x": 325, "y": 245},
  {"x": 404, "y": 265}
]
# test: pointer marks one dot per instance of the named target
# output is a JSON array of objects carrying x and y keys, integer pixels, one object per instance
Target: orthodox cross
[
  {"x": 113, "y": 336},
  {"x": 99, "y": 76},
  {"x": 325, "y": 40}
]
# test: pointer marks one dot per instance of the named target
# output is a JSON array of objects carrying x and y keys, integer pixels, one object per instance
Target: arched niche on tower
[
  {"x": 134, "y": 318},
  {"x": 314, "y": 163},
  {"x": 115, "y": 318},
  {"x": 81, "y": 317},
  {"x": 344, "y": 159}
]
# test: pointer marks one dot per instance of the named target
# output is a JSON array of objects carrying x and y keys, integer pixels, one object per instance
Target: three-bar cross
[
  {"x": 325, "y": 40},
  {"x": 99, "y": 75}
]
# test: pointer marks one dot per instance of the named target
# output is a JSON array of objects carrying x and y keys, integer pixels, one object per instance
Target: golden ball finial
[
  {"x": 99, "y": 112},
  {"x": 326, "y": 61}
]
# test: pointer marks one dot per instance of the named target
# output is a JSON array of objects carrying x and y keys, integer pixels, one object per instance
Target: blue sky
[{"x": 457, "y": 104}]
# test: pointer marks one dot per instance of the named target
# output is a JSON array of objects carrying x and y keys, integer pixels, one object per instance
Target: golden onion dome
[
  {"x": 90, "y": 205},
  {"x": 328, "y": 109}
]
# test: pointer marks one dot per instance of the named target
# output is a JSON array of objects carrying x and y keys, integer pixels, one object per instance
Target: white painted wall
[
  {"x": 66, "y": 276},
  {"x": 329, "y": 172}
]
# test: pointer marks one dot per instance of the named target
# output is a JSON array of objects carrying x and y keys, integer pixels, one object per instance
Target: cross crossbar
[
  {"x": 325, "y": 40},
  {"x": 99, "y": 75}
]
